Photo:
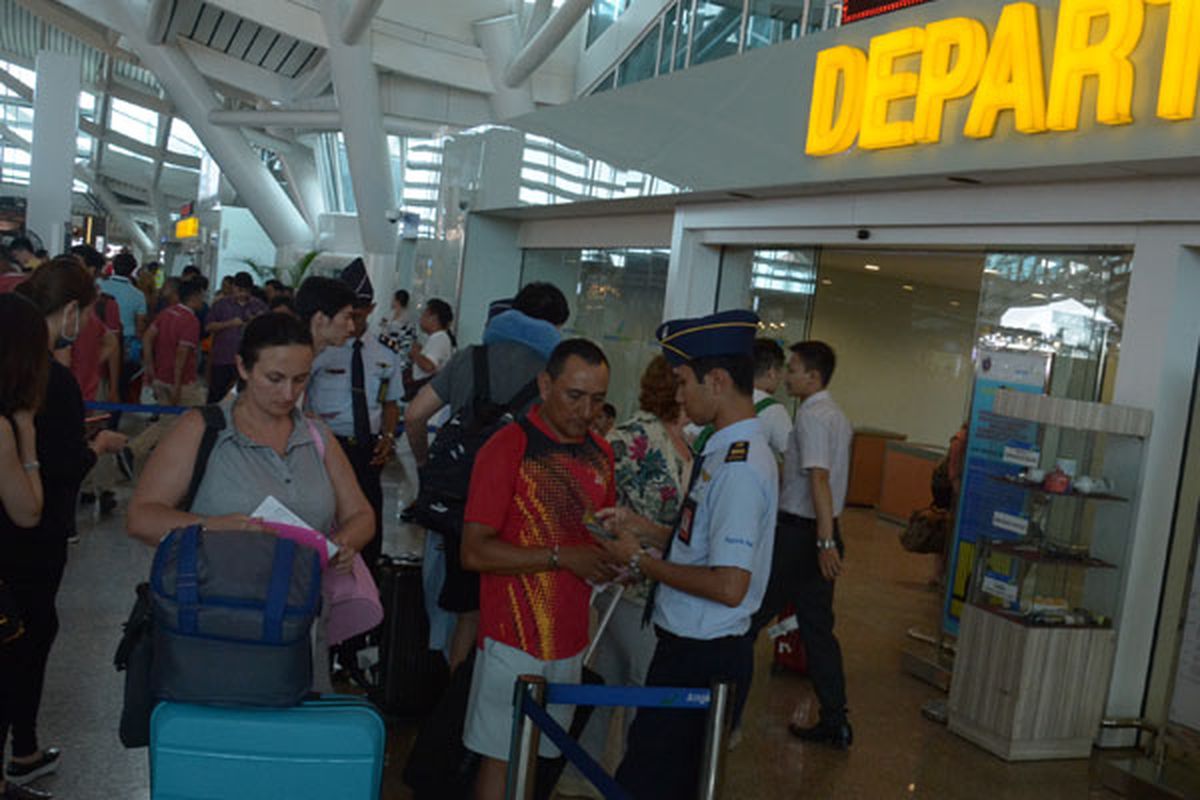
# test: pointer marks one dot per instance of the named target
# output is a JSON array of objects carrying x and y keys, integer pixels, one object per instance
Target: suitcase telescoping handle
[{"x": 604, "y": 620}]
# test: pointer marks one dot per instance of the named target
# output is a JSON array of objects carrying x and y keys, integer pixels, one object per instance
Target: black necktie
[
  {"x": 358, "y": 396},
  {"x": 697, "y": 468}
]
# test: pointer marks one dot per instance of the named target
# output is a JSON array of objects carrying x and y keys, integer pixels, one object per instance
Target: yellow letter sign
[
  {"x": 1181, "y": 61},
  {"x": 1075, "y": 58},
  {"x": 832, "y": 128},
  {"x": 965, "y": 42},
  {"x": 885, "y": 85},
  {"x": 1012, "y": 76}
]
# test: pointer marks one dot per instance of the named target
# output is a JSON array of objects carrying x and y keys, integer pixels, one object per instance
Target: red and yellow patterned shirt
[{"x": 536, "y": 491}]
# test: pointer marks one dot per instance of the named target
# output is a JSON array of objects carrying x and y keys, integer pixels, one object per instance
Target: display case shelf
[
  {"x": 1040, "y": 555},
  {"x": 1033, "y": 486}
]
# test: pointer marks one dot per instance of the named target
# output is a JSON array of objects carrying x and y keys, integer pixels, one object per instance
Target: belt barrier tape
[
  {"x": 573, "y": 751},
  {"x": 135, "y": 408},
  {"x": 591, "y": 694}
]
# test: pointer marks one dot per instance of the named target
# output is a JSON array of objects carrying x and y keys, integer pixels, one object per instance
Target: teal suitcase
[{"x": 327, "y": 748}]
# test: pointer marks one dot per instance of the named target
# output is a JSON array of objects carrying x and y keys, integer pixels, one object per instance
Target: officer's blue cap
[
  {"x": 728, "y": 333},
  {"x": 355, "y": 276}
]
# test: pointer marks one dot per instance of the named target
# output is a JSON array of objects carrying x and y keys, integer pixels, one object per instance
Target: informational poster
[{"x": 996, "y": 447}]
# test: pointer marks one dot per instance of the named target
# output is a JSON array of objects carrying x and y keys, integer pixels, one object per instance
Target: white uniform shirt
[
  {"x": 732, "y": 524},
  {"x": 329, "y": 394},
  {"x": 438, "y": 349},
  {"x": 820, "y": 440},
  {"x": 777, "y": 425}
]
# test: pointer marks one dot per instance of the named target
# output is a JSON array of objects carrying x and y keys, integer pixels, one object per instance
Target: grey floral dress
[{"x": 651, "y": 476}]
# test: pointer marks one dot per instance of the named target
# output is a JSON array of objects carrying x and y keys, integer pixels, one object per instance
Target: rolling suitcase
[
  {"x": 409, "y": 678},
  {"x": 331, "y": 747},
  {"x": 790, "y": 654}
]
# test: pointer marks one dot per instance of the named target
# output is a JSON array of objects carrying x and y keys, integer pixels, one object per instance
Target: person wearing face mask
[{"x": 33, "y": 559}]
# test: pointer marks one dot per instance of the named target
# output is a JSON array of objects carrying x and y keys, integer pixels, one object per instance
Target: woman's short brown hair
[
  {"x": 57, "y": 283},
  {"x": 658, "y": 392},
  {"x": 24, "y": 355}
]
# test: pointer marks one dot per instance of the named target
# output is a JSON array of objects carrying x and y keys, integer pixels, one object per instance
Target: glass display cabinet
[{"x": 1037, "y": 636}]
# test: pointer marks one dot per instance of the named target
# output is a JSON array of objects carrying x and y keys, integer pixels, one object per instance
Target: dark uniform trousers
[
  {"x": 796, "y": 578},
  {"x": 360, "y": 454},
  {"x": 665, "y": 748}
]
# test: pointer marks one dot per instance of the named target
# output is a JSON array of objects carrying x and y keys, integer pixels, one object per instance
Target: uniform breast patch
[{"x": 738, "y": 451}]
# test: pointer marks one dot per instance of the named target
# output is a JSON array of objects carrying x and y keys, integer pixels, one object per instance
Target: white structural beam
[
  {"x": 193, "y": 97},
  {"x": 112, "y": 204},
  {"x": 542, "y": 44},
  {"x": 317, "y": 120},
  {"x": 499, "y": 38},
  {"x": 356, "y": 84},
  {"x": 300, "y": 168},
  {"x": 51, "y": 156},
  {"x": 76, "y": 24},
  {"x": 358, "y": 20},
  {"x": 536, "y": 19}
]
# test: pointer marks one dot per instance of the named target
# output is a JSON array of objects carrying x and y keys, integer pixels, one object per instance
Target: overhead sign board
[
  {"x": 894, "y": 93},
  {"x": 187, "y": 228},
  {"x": 853, "y": 10}
]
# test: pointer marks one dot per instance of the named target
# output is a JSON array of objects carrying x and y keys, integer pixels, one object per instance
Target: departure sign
[
  {"x": 857, "y": 96},
  {"x": 861, "y": 9},
  {"x": 187, "y": 228}
]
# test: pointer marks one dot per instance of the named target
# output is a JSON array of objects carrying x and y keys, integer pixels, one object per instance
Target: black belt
[
  {"x": 787, "y": 516},
  {"x": 663, "y": 633}
]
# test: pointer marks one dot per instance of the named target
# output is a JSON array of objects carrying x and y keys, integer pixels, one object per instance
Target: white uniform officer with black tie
[
  {"x": 355, "y": 389},
  {"x": 714, "y": 572}
]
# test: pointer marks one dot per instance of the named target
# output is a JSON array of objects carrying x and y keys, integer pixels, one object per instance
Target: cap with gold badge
[{"x": 726, "y": 333}]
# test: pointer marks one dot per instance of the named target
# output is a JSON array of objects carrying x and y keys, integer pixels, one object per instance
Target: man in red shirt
[
  {"x": 170, "y": 347},
  {"x": 534, "y": 486}
]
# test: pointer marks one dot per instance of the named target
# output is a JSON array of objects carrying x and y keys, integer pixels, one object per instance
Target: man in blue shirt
[
  {"x": 714, "y": 571},
  {"x": 132, "y": 303}
]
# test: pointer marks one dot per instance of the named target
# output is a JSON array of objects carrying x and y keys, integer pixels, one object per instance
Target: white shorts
[{"x": 490, "y": 709}]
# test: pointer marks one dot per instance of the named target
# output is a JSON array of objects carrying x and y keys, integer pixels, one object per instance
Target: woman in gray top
[{"x": 266, "y": 449}]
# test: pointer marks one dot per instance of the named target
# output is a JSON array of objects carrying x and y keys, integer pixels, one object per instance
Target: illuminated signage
[
  {"x": 853, "y": 10},
  {"x": 857, "y": 96},
  {"x": 187, "y": 228}
]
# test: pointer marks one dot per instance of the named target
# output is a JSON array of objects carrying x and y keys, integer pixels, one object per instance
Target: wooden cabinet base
[{"x": 1026, "y": 693}]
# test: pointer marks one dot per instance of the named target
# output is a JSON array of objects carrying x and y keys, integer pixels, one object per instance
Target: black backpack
[{"x": 445, "y": 478}]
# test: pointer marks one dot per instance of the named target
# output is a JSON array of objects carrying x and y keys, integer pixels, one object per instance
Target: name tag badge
[{"x": 686, "y": 517}]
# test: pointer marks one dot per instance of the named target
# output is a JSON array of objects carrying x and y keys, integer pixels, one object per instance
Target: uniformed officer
[
  {"x": 356, "y": 389},
  {"x": 714, "y": 572}
]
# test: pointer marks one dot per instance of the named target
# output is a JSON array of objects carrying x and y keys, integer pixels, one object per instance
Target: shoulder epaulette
[{"x": 738, "y": 451}]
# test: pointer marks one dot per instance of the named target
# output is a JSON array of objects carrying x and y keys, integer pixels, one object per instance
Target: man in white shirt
[
  {"x": 768, "y": 373},
  {"x": 808, "y": 544}
]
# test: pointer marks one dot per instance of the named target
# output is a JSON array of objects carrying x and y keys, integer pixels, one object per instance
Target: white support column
[
  {"x": 544, "y": 42},
  {"x": 300, "y": 169},
  {"x": 356, "y": 84},
  {"x": 55, "y": 123},
  {"x": 358, "y": 20},
  {"x": 142, "y": 243},
  {"x": 193, "y": 97},
  {"x": 499, "y": 38}
]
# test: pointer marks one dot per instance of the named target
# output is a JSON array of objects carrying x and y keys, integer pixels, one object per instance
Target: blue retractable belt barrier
[
  {"x": 631, "y": 696},
  {"x": 574, "y": 753},
  {"x": 135, "y": 408}
]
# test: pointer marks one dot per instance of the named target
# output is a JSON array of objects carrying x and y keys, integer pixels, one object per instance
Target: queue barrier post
[
  {"x": 716, "y": 730},
  {"x": 523, "y": 751}
]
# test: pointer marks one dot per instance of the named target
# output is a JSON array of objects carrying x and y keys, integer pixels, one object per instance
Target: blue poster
[{"x": 987, "y": 506}]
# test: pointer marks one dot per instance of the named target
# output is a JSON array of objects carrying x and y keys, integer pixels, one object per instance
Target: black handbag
[
  {"x": 12, "y": 627},
  {"x": 135, "y": 657}
]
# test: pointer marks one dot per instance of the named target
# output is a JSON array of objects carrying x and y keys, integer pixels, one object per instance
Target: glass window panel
[
  {"x": 616, "y": 298},
  {"x": 133, "y": 121},
  {"x": 83, "y": 145},
  {"x": 639, "y": 64},
  {"x": 87, "y": 104},
  {"x": 123, "y": 152},
  {"x": 183, "y": 139},
  {"x": 608, "y": 82},
  {"x": 683, "y": 26},
  {"x": 668, "y": 41},
  {"x": 773, "y": 21},
  {"x": 601, "y": 17},
  {"x": 718, "y": 26},
  {"x": 1071, "y": 305}
]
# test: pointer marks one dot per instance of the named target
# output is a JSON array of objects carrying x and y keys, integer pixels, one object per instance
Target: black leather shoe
[
  {"x": 839, "y": 737},
  {"x": 24, "y": 773},
  {"x": 15, "y": 791}
]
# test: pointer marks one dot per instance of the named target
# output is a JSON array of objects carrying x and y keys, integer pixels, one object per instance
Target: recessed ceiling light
[
  {"x": 908, "y": 287},
  {"x": 826, "y": 281},
  {"x": 1037, "y": 295},
  {"x": 871, "y": 267},
  {"x": 955, "y": 303}
]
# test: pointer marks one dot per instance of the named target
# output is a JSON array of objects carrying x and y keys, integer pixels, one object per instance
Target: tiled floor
[{"x": 897, "y": 753}]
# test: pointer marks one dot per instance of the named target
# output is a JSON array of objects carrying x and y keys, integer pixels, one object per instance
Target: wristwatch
[
  {"x": 826, "y": 544},
  {"x": 635, "y": 563}
]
